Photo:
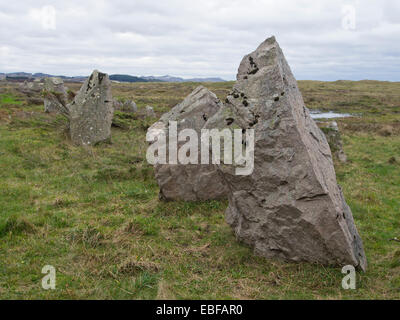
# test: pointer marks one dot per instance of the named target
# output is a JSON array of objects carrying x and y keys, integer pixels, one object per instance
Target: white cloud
[{"x": 200, "y": 38}]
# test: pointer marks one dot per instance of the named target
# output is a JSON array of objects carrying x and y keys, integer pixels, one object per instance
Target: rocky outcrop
[
  {"x": 130, "y": 106},
  {"x": 192, "y": 181},
  {"x": 332, "y": 134},
  {"x": 290, "y": 207},
  {"x": 31, "y": 87},
  {"x": 150, "y": 112},
  {"x": 55, "y": 96},
  {"x": 92, "y": 111},
  {"x": 127, "y": 106}
]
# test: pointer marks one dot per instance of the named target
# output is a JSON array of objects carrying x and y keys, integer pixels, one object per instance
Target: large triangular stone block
[{"x": 290, "y": 207}]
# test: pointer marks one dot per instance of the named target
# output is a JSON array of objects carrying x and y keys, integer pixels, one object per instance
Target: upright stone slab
[
  {"x": 190, "y": 182},
  {"x": 55, "y": 96},
  {"x": 92, "y": 111},
  {"x": 334, "y": 138},
  {"x": 290, "y": 207}
]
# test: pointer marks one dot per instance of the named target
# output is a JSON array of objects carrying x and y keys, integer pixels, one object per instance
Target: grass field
[{"x": 94, "y": 213}]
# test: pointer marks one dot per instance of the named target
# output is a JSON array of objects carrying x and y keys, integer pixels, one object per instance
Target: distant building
[{"x": 2, "y": 76}]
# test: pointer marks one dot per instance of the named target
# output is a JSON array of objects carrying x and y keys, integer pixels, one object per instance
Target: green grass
[
  {"x": 94, "y": 213},
  {"x": 9, "y": 99}
]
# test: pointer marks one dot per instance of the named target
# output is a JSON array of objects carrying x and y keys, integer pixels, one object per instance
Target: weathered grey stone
[
  {"x": 55, "y": 96},
  {"x": 150, "y": 112},
  {"x": 130, "y": 106},
  {"x": 31, "y": 87},
  {"x": 190, "y": 182},
  {"x": 117, "y": 105},
  {"x": 92, "y": 111},
  {"x": 127, "y": 106},
  {"x": 290, "y": 207},
  {"x": 332, "y": 134}
]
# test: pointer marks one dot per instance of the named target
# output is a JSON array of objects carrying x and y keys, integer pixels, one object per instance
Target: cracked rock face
[
  {"x": 92, "y": 111},
  {"x": 291, "y": 206},
  {"x": 190, "y": 182},
  {"x": 55, "y": 99}
]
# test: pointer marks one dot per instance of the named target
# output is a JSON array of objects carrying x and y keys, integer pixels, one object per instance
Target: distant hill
[
  {"x": 168, "y": 78},
  {"x": 204, "y": 80},
  {"x": 127, "y": 78},
  {"x": 21, "y": 76},
  {"x": 42, "y": 75},
  {"x": 17, "y": 76},
  {"x": 163, "y": 78},
  {"x": 65, "y": 78}
]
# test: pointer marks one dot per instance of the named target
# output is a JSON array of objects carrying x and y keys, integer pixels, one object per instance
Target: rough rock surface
[
  {"x": 117, "y": 105},
  {"x": 150, "y": 112},
  {"x": 127, "y": 106},
  {"x": 31, "y": 87},
  {"x": 190, "y": 182},
  {"x": 332, "y": 134},
  {"x": 130, "y": 106},
  {"x": 55, "y": 96},
  {"x": 290, "y": 207},
  {"x": 92, "y": 111}
]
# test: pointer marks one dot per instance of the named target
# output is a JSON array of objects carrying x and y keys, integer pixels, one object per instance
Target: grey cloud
[{"x": 203, "y": 38}]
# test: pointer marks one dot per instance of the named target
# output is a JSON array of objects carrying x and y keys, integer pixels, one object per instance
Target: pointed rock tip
[
  {"x": 96, "y": 71},
  {"x": 271, "y": 41},
  {"x": 98, "y": 74},
  {"x": 200, "y": 87}
]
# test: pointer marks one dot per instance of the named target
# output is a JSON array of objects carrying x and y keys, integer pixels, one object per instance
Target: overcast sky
[{"x": 322, "y": 40}]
